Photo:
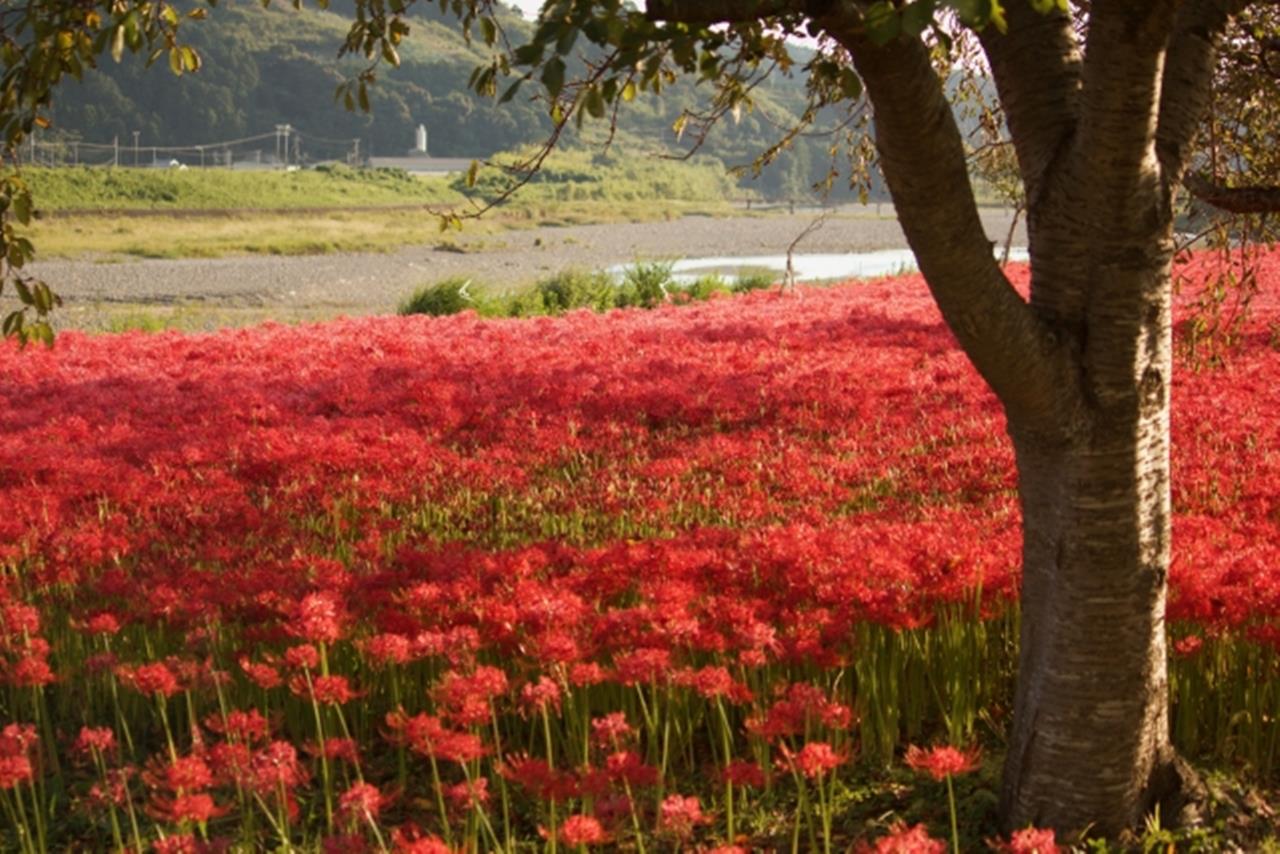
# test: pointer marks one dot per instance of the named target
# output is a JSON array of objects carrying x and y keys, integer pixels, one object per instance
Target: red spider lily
[
  {"x": 16, "y": 744},
  {"x": 538, "y": 777},
  {"x": 611, "y": 729},
  {"x": 100, "y": 739},
  {"x": 815, "y": 759},
  {"x": 942, "y": 761},
  {"x": 242, "y": 726},
  {"x": 362, "y": 802},
  {"x": 466, "y": 796},
  {"x": 540, "y": 696},
  {"x": 198, "y": 807},
  {"x": 679, "y": 815},
  {"x": 904, "y": 840},
  {"x": 319, "y": 618},
  {"x": 583, "y": 830},
  {"x": 1030, "y": 840},
  {"x": 154, "y": 678}
]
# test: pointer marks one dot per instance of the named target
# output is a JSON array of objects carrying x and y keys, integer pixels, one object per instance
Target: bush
[
  {"x": 704, "y": 287},
  {"x": 646, "y": 285},
  {"x": 575, "y": 289},
  {"x": 755, "y": 281},
  {"x": 445, "y": 297}
]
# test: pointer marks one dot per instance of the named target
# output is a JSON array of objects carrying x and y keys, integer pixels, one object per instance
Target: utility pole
[
  {"x": 115, "y": 150},
  {"x": 136, "y": 134}
]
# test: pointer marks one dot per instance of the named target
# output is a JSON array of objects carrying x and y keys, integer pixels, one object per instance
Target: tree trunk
[{"x": 1091, "y": 701}]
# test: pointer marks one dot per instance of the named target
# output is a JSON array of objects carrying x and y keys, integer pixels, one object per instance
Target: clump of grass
[
  {"x": 754, "y": 280},
  {"x": 449, "y": 296},
  {"x": 574, "y": 289}
]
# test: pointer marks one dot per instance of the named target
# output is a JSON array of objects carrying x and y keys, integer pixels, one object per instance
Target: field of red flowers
[{"x": 642, "y": 578}]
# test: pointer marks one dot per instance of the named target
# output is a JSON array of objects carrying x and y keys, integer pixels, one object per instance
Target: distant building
[
  {"x": 418, "y": 161},
  {"x": 423, "y": 165}
]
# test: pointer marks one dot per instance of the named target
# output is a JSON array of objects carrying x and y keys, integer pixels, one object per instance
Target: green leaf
[
  {"x": 472, "y": 171},
  {"x": 553, "y": 76},
  {"x": 511, "y": 92},
  {"x": 117, "y": 43},
  {"x": 175, "y": 61},
  {"x": 629, "y": 91},
  {"x": 595, "y": 102},
  {"x": 489, "y": 30}
]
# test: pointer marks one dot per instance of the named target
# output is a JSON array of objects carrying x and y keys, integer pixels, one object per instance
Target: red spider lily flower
[
  {"x": 302, "y": 657},
  {"x": 101, "y": 739},
  {"x": 582, "y": 830},
  {"x": 261, "y": 674},
  {"x": 198, "y": 807},
  {"x": 345, "y": 749},
  {"x": 230, "y": 762},
  {"x": 1188, "y": 646},
  {"x": 727, "y": 849},
  {"x": 942, "y": 761},
  {"x": 388, "y": 648},
  {"x": 1030, "y": 840},
  {"x": 332, "y": 690},
  {"x": 679, "y": 815},
  {"x": 626, "y": 765},
  {"x": 586, "y": 673},
  {"x": 409, "y": 840},
  {"x": 362, "y": 801},
  {"x": 243, "y": 726},
  {"x": 275, "y": 766},
  {"x": 740, "y": 772},
  {"x": 14, "y": 769},
  {"x": 155, "y": 678},
  {"x": 904, "y": 840},
  {"x": 815, "y": 759},
  {"x": 319, "y": 618},
  {"x": 188, "y": 774},
  {"x": 103, "y": 624},
  {"x": 16, "y": 744},
  {"x": 541, "y": 695},
  {"x": 467, "y": 700},
  {"x": 345, "y": 843},
  {"x": 611, "y": 729},
  {"x": 539, "y": 778},
  {"x": 466, "y": 796},
  {"x": 31, "y": 671}
]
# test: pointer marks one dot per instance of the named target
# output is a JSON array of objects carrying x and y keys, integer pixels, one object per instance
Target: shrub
[
  {"x": 572, "y": 289},
  {"x": 445, "y": 297},
  {"x": 646, "y": 285},
  {"x": 753, "y": 281}
]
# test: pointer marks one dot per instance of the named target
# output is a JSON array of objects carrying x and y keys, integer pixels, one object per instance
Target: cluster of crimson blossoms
[{"x": 432, "y": 583}]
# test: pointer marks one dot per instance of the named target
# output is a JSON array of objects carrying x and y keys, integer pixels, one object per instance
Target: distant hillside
[{"x": 264, "y": 67}]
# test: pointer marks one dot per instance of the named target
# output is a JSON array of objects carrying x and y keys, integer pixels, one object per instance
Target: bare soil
[{"x": 315, "y": 287}]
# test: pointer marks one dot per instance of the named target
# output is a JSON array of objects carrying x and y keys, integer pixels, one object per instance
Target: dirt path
[{"x": 289, "y": 288}]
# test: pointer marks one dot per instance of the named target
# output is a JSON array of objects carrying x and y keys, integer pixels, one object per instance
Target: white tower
[{"x": 420, "y": 140}]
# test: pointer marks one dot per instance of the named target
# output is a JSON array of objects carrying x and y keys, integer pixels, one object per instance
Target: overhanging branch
[
  {"x": 721, "y": 11},
  {"x": 1239, "y": 200}
]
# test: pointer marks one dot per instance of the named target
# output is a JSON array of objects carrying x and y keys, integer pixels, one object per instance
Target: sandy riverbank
[{"x": 314, "y": 287}]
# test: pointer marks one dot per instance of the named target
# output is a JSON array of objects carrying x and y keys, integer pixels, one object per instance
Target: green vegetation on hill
[
  {"x": 264, "y": 67},
  {"x": 94, "y": 188}
]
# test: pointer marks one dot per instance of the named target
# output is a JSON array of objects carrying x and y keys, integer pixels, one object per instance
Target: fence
[{"x": 282, "y": 148}]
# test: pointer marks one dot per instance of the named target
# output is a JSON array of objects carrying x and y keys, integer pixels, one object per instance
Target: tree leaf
[{"x": 553, "y": 76}]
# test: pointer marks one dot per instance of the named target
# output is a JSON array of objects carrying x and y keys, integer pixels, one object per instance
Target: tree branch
[
  {"x": 1121, "y": 78},
  {"x": 1036, "y": 66},
  {"x": 922, "y": 158},
  {"x": 720, "y": 11},
  {"x": 1188, "y": 77},
  {"x": 1239, "y": 200}
]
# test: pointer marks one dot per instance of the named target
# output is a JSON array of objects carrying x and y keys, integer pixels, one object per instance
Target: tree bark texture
[{"x": 1082, "y": 367}]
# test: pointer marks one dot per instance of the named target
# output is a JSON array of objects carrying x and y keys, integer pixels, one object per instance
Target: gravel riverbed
[{"x": 314, "y": 287}]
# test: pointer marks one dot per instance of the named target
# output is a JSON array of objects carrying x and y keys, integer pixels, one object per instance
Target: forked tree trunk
[{"x": 1091, "y": 700}]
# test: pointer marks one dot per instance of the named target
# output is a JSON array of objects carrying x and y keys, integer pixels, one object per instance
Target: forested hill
[{"x": 264, "y": 67}]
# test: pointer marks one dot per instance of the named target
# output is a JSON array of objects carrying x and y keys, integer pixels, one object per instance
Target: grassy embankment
[{"x": 109, "y": 213}]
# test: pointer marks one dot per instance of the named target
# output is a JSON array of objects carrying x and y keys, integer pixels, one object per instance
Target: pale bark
[{"x": 1083, "y": 369}]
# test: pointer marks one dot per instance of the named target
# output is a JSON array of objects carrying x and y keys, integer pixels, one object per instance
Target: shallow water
[{"x": 808, "y": 268}]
